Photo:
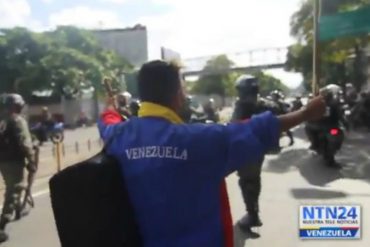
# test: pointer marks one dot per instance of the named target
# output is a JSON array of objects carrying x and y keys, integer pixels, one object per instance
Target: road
[{"x": 290, "y": 179}]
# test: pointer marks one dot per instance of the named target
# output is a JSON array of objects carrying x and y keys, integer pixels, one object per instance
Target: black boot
[
  {"x": 250, "y": 186},
  {"x": 3, "y": 222},
  {"x": 290, "y": 135},
  {"x": 250, "y": 220},
  {"x": 3, "y": 236},
  {"x": 22, "y": 211}
]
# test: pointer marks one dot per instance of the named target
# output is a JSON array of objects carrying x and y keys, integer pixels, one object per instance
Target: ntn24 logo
[
  {"x": 330, "y": 212},
  {"x": 329, "y": 233}
]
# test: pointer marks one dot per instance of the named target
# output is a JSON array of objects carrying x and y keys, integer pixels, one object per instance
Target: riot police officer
[
  {"x": 282, "y": 108},
  {"x": 248, "y": 105},
  {"x": 134, "y": 108},
  {"x": 16, "y": 153},
  {"x": 210, "y": 111},
  {"x": 187, "y": 110},
  {"x": 333, "y": 117},
  {"x": 297, "y": 103},
  {"x": 123, "y": 110},
  {"x": 46, "y": 117}
]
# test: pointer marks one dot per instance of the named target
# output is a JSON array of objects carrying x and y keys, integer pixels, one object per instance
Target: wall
[
  {"x": 73, "y": 108},
  {"x": 68, "y": 111},
  {"x": 130, "y": 43},
  {"x": 36, "y": 109}
]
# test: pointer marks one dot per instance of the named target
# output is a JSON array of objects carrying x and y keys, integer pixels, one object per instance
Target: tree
[
  {"x": 336, "y": 67},
  {"x": 65, "y": 61},
  {"x": 20, "y": 66},
  {"x": 268, "y": 83},
  {"x": 216, "y": 78}
]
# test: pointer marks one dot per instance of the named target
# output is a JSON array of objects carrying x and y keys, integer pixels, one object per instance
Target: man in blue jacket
[{"x": 175, "y": 172}]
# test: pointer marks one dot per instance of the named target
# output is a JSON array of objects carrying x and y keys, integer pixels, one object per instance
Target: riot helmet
[
  {"x": 211, "y": 103},
  {"x": 14, "y": 102},
  {"x": 123, "y": 98},
  {"x": 248, "y": 88},
  {"x": 188, "y": 101},
  {"x": 134, "y": 107},
  {"x": 276, "y": 95}
]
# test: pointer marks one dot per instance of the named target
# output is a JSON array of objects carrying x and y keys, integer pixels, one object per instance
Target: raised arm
[
  {"x": 248, "y": 142},
  {"x": 314, "y": 110},
  {"x": 109, "y": 120}
]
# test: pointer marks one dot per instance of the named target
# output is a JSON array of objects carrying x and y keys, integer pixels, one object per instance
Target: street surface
[{"x": 290, "y": 179}]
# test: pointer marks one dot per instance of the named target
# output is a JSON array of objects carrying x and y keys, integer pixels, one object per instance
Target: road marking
[
  {"x": 34, "y": 195},
  {"x": 41, "y": 193}
]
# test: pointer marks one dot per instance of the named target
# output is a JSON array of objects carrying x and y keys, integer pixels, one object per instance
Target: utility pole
[{"x": 316, "y": 49}]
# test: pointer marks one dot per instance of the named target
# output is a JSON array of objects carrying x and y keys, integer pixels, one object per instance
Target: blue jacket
[{"x": 174, "y": 171}]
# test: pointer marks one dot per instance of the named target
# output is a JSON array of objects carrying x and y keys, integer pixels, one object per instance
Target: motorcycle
[
  {"x": 203, "y": 119},
  {"x": 84, "y": 122},
  {"x": 359, "y": 117},
  {"x": 42, "y": 133},
  {"x": 329, "y": 142}
]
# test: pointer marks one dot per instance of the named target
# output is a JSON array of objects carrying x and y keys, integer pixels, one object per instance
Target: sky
[{"x": 191, "y": 27}]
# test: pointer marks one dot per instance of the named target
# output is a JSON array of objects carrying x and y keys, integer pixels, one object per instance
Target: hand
[
  {"x": 111, "y": 103},
  {"x": 315, "y": 109},
  {"x": 31, "y": 167}
]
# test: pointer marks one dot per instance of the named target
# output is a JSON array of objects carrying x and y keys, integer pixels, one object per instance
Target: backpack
[
  {"x": 9, "y": 146},
  {"x": 91, "y": 205}
]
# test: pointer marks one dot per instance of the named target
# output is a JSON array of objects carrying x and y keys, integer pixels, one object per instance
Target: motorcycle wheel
[
  {"x": 57, "y": 137},
  {"x": 329, "y": 157}
]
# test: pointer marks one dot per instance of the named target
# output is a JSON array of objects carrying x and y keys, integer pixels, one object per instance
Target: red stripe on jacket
[
  {"x": 226, "y": 211},
  {"x": 110, "y": 117},
  {"x": 226, "y": 216}
]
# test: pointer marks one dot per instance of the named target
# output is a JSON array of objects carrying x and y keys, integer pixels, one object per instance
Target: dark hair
[{"x": 159, "y": 82}]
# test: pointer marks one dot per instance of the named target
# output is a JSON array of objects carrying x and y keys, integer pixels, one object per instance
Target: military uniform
[
  {"x": 250, "y": 175},
  {"x": 15, "y": 149}
]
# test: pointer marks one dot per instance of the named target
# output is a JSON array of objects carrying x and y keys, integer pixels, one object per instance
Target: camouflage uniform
[{"x": 16, "y": 151}]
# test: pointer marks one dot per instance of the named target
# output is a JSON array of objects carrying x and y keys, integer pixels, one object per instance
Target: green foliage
[
  {"x": 269, "y": 83},
  {"x": 65, "y": 61},
  {"x": 216, "y": 78},
  {"x": 336, "y": 67}
]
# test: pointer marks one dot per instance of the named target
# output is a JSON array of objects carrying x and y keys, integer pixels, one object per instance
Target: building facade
[{"x": 130, "y": 43}]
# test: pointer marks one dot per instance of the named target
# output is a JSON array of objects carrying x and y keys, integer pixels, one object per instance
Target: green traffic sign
[{"x": 351, "y": 23}]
